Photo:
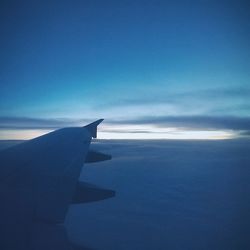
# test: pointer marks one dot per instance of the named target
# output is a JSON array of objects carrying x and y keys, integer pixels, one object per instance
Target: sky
[{"x": 151, "y": 69}]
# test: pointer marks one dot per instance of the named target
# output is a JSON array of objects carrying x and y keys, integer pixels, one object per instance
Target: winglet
[{"x": 92, "y": 127}]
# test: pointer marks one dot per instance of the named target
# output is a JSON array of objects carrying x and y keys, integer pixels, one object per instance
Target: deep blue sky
[{"x": 130, "y": 62}]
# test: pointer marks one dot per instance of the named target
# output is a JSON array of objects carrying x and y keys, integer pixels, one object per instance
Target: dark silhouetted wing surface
[{"x": 38, "y": 179}]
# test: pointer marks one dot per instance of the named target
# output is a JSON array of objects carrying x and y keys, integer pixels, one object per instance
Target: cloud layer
[
  {"x": 191, "y": 122},
  {"x": 140, "y": 125}
]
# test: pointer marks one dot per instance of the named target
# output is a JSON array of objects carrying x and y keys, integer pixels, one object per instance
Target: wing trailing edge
[{"x": 92, "y": 127}]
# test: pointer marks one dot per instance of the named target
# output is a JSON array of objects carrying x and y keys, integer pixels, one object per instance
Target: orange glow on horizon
[{"x": 16, "y": 134}]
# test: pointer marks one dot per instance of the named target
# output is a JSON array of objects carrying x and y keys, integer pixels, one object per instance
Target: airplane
[{"x": 38, "y": 183}]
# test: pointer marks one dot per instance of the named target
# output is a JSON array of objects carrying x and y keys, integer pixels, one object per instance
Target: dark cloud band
[
  {"x": 238, "y": 124},
  {"x": 191, "y": 122}
]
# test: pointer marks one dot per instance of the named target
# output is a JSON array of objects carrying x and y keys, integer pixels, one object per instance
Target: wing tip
[{"x": 92, "y": 127}]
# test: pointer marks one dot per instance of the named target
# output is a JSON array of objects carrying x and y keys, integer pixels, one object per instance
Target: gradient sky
[{"x": 152, "y": 69}]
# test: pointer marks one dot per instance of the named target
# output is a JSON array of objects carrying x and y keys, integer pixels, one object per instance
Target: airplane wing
[{"x": 38, "y": 180}]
